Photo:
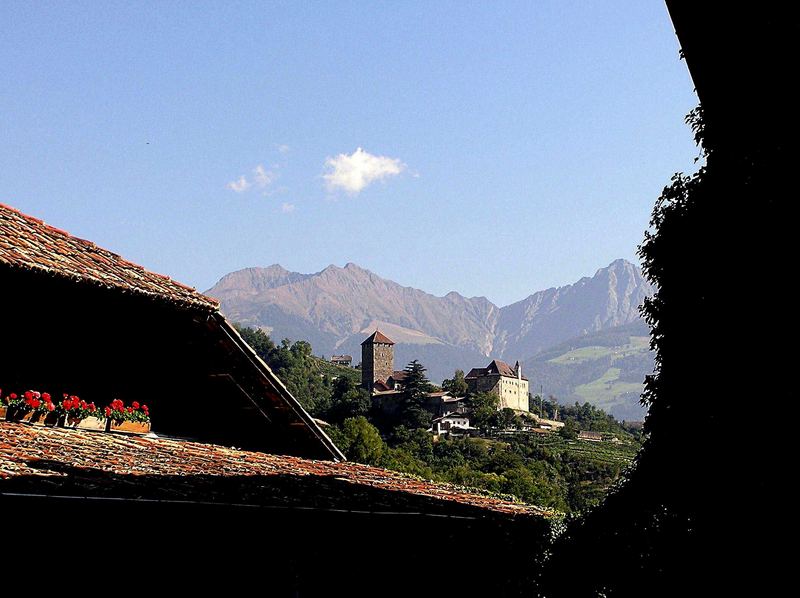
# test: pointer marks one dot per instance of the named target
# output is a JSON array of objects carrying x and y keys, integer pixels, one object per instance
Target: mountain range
[{"x": 336, "y": 308}]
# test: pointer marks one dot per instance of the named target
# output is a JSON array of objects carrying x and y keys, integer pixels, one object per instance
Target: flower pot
[
  {"x": 39, "y": 418},
  {"x": 13, "y": 414},
  {"x": 87, "y": 423},
  {"x": 130, "y": 427},
  {"x": 26, "y": 416},
  {"x": 3, "y": 412},
  {"x": 50, "y": 419}
]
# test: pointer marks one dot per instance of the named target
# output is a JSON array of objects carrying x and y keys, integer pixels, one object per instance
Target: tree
[
  {"x": 360, "y": 441},
  {"x": 258, "y": 340},
  {"x": 570, "y": 429},
  {"x": 347, "y": 400},
  {"x": 456, "y": 385},
  {"x": 483, "y": 408},
  {"x": 506, "y": 419},
  {"x": 295, "y": 365},
  {"x": 413, "y": 411},
  {"x": 416, "y": 383}
]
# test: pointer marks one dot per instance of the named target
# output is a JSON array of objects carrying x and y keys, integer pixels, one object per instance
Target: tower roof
[{"x": 377, "y": 337}]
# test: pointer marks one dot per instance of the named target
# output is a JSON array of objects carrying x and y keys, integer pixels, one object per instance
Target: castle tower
[{"x": 377, "y": 359}]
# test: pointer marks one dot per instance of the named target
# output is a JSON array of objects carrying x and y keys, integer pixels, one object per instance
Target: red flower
[
  {"x": 84, "y": 405},
  {"x": 46, "y": 397},
  {"x": 135, "y": 404},
  {"x": 130, "y": 409},
  {"x": 50, "y": 406},
  {"x": 108, "y": 411},
  {"x": 12, "y": 396},
  {"x": 35, "y": 403},
  {"x": 28, "y": 395},
  {"x": 92, "y": 407},
  {"x": 145, "y": 409}
]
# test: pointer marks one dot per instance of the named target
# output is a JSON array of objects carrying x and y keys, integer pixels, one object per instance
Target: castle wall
[{"x": 513, "y": 392}]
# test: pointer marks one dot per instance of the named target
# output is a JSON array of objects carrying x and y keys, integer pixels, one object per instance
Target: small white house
[{"x": 450, "y": 423}]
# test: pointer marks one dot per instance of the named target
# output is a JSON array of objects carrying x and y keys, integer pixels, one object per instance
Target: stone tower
[{"x": 377, "y": 359}]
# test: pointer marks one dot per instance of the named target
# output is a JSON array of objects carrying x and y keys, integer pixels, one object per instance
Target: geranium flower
[{"x": 135, "y": 404}]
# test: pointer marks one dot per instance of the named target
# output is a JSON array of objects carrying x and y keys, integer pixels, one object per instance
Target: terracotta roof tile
[
  {"x": 49, "y": 460},
  {"x": 27, "y": 243}
]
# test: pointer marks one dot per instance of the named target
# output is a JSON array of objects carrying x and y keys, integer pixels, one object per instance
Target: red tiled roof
[
  {"x": 495, "y": 367},
  {"x": 380, "y": 385},
  {"x": 501, "y": 367},
  {"x": 28, "y": 243},
  {"x": 378, "y": 337},
  {"x": 57, "y": 461},
  {"x": 399, "y": 375}
]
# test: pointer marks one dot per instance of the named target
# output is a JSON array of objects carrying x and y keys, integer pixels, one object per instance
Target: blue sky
[{"x": 494, "y": 149}]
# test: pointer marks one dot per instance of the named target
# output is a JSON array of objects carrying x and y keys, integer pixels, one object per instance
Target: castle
[
  {"x": 379, "y": 376},
  {"x": 506, "y": 382}
]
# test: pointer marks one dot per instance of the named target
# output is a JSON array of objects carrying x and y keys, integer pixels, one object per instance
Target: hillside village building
[
  {"x": 342, "y": 360},
  {"x": 506, "y": 382}
]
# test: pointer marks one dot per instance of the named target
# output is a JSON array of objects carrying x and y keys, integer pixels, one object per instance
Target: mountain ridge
[{"x": 335, "y": 307}]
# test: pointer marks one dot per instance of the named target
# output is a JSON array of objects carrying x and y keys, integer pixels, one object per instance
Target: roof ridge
[{"x": 30, "y": 243}]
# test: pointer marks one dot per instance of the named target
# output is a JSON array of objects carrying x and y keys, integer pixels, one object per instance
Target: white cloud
[
  {"x": 263, "y": 177},
  {"x": 239, "y": 186},
  {"x": 354, "y": 172},
  {"x": 287, "y": 207},
  {"x": 283, "y": 148}
]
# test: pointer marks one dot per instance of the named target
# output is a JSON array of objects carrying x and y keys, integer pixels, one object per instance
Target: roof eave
[{"x": 284, "y": 393}]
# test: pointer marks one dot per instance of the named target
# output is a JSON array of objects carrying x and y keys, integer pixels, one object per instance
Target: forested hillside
[{"x": 555, "y": 470}]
